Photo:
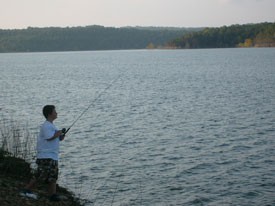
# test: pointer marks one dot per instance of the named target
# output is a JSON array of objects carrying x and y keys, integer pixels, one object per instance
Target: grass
[
  {"x": 16, "y": 140},
  {"x": 16, "y": 149}
]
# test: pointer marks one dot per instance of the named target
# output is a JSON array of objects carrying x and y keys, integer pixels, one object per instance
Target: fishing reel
[{"x": 64, "y": 131}]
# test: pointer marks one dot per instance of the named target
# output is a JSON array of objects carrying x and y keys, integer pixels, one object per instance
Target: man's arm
[{"x": 57, "y": 134}]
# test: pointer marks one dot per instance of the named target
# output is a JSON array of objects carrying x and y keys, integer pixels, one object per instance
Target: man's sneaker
[
  {"x": 54, "y": 198},
  {"x": 57, "y": 198},
  {"x": 27, "y": 193}
]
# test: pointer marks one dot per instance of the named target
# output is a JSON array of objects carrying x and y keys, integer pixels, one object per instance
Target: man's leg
[
  {"x": 53, "y": 176},
  {"x": 52, "y": 188},
  {"x": 27, "y": 191},
  {"x": 31, "y": 184}
]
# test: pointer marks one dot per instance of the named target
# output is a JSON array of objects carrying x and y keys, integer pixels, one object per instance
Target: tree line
[
  {"x": 248, "y": 35},
  {"x": 87, "y": 38},
  {"x": 110, "y": 38}
]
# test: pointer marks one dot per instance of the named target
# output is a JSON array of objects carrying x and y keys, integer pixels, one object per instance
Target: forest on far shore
[
  {"x": 87, "y": 38},
  {"x": 247, "y": 35},
  {"x": 109, "y": 38}
]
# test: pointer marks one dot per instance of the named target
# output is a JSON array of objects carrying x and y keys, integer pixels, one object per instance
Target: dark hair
[{"x": 47, "y": 110}]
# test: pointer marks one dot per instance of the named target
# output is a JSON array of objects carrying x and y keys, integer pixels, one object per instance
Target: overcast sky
[{"x": 118, "y": 13}]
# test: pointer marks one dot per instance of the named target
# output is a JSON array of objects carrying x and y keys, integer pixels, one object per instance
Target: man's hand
[
  {"x": 62, "y": 137},
  {"x": 57, "y": 134}
]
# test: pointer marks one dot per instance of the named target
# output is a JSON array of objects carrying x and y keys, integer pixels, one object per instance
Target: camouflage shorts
[{"x": 47, "y": 170}]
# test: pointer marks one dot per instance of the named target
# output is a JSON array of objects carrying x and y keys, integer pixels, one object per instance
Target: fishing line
[
  {"x": 64, "y": 131},
  {"x": 116, "y": 188}
]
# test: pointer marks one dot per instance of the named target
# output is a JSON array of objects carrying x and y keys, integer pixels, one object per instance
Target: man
[{"x": 47, "y": 155}]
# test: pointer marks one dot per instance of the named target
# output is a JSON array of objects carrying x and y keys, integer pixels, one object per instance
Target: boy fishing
[{"x": 47, "y": 155}]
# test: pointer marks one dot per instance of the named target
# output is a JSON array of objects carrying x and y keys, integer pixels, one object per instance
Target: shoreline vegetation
[
  {"x": 16, "y": 153},
  {"x": 96, "y": 37},
  {"x": 235, "y": 36}
]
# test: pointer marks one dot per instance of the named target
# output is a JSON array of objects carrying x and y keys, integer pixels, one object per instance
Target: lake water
[{"x": 175, "y": 127}]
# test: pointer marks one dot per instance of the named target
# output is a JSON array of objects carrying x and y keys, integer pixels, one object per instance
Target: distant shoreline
[{"x": 100, "y": 38}]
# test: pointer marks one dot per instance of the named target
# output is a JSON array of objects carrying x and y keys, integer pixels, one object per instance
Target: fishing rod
[{"x": 65, "y": 131}]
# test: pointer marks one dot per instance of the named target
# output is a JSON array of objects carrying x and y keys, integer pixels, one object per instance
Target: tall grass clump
[{"x": 16, "y": 149}]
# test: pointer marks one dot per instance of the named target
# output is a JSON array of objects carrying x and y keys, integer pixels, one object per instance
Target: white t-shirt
[{"x": 47, "y": 149}]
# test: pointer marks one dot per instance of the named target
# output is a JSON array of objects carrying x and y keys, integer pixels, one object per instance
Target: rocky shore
[{"x": 14, "y": 174}]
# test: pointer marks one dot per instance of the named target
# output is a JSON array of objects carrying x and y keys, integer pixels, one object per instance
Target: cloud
[
  {"x": 240, "y": 1},
  {"x": 224, "y": 1}
]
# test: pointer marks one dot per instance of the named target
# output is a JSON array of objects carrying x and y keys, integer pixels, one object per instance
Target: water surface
[{"x": 180, "y": 127}]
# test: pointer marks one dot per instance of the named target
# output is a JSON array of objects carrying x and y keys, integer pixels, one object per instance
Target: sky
[{"x": 18, "y": 14}]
